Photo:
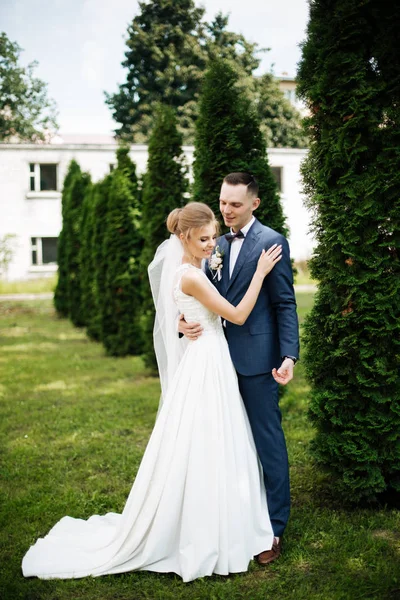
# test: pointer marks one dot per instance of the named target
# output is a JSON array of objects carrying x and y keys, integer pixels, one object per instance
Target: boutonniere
[{"x": 215, "y": 263}]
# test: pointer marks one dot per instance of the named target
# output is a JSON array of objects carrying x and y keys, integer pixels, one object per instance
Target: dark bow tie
[{"x": 232, "y": 236}]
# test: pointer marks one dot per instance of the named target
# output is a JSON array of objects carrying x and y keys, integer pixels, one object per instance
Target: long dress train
[{"x": 198, "y": 503}]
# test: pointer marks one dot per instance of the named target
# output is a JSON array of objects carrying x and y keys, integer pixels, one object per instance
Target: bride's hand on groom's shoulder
[
  {"x": 285, "y": 372},
  {"x": 190, "y": 330},
  {"x": 268, "y": 259}
]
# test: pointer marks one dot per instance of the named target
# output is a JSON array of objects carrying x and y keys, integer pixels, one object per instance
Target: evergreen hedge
[
  {"x": 164, "y": 187},
  {"x": 229, "y": 139},
  {"x": 350, "y": 77}
]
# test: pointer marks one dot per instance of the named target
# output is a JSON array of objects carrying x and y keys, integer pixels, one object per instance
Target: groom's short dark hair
[{"x": 245, "y": 179}]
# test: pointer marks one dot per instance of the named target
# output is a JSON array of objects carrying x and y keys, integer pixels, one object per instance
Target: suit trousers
[{"x": 261, "y": 398}]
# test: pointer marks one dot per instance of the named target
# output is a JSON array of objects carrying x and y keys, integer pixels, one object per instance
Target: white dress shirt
[{"x": 236, "y": 245}]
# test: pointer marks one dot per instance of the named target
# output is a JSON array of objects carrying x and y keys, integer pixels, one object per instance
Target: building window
[
  {"x": 43, "y": 177},
  {"x": 32, "y": 177},
  {"x": 277, "y": 173},
  {"x": 44, "y": 250},
  {"x": 112, "y": 167},
  {"x": 291, "y": 96}
]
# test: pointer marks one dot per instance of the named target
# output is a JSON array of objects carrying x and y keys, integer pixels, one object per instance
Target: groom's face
[{"x": 236, "y": 205}]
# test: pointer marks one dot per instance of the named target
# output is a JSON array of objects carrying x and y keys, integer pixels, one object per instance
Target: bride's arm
[{"x": 194, "y": 284}]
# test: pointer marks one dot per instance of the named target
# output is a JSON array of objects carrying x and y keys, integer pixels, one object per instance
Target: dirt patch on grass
[
  {"x": 8, "y": 309},
  {"x": 385, "y": 534},
  {"x": 14, "y": 331}
]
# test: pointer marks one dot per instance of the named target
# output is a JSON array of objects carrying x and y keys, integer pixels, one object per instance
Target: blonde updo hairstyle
[{"x": 193, "y": 215}]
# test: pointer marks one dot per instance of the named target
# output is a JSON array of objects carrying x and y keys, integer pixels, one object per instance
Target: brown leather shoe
[{"x": 268, "y": 556}]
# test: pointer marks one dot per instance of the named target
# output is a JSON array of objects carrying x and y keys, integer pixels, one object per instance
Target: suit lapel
[
  {"x": 226, "y": 249},
  {"x": 249, "y": 242}
]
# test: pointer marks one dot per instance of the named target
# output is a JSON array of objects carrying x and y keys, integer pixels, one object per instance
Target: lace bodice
[{"x": 191, "y": 308}]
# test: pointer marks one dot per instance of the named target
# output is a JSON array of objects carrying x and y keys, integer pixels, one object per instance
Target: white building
[
  {"x": 31, "y": 179},
  {"x": 288, "y": 86}
]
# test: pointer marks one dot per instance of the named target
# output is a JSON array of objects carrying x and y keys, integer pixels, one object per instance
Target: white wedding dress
[{"x": 198, "y": 503}]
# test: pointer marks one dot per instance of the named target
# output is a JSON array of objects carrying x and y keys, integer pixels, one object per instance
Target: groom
[{"x": 265, "y": 349}]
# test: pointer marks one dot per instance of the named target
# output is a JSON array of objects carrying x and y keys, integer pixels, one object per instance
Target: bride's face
[{"x": 201, "y": 242}]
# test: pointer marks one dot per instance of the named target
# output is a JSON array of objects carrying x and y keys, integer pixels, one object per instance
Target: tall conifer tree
[
  {"x": 350, "y": 77},
  {"x": 164, "y": 60},
  {"x": 61, "y": 295},
  {"x": 79, "y": 185},
  {"x": 86, "y": 257},
  {"x": 229, "y": 139},
  {"x": 163, "y": 190},
  {"x": 121, "y": 303},
  {"x": 126, "y": 165},
  {"x": 100, "y": 208}
]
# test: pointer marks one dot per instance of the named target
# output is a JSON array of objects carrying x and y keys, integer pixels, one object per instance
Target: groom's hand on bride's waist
[
  {"x": 285, "y": 372},
  {"x": 190, "y": 330}
]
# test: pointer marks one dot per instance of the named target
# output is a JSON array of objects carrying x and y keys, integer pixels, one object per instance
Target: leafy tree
[
  {"x": 61, "y": 296},
  {"x": 280, "y": 122},
  {"x": 164, "y": 188},
  {"x": 26, "y": 113},
  {"x": 7, "y": 251},
  {"x": 121, "y": 304},
  {"x": 350, "y": 77},
  {"x": 169, "y": 48},
  {"x": 228, "y": 139}
]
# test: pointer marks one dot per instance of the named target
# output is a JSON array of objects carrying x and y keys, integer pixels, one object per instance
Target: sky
[{"x": 80, "y": 44}]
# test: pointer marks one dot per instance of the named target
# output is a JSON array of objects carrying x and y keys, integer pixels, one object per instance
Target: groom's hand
[
  {"x": 190, "y": 330},
  {"x": 285, "y": 372}
]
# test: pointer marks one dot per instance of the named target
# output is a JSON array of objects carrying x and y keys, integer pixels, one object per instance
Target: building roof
[{"x": 83, "y": 138}]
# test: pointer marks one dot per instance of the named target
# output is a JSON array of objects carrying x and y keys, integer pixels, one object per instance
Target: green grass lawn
[
  {"x": 48, "y": 284},
  {"x": 74, "y": 425},
  {"x": 303, "y": 276},
  {"x": 29, "y": 286}
]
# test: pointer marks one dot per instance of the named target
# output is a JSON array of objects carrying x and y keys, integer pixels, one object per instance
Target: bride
[{"x": 198, "y": 504}]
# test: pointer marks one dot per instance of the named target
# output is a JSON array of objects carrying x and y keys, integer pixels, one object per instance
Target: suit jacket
[{"x": 271, "y": 330}]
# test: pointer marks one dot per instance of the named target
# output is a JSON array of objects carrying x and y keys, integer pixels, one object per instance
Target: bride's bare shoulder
[{"x": 193, "y": 278}]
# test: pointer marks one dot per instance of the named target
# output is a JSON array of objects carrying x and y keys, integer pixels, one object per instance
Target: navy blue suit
[{"x": 270, "y": 332}]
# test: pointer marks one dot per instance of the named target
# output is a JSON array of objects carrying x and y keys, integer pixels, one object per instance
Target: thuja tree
[
  {"x": 61, "y": 297},
  {"x": 121, "y": 303},
  {"x": 126, "y": 164},
  {"x": 73, "y": 219},
  {"x": 229, "y": 139},
  {"x": 86, "y": 257},
  {"x": 350, "y": 77},
  {"x": 100, "y": 209},
  {"x": 164, "y": 187}
]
